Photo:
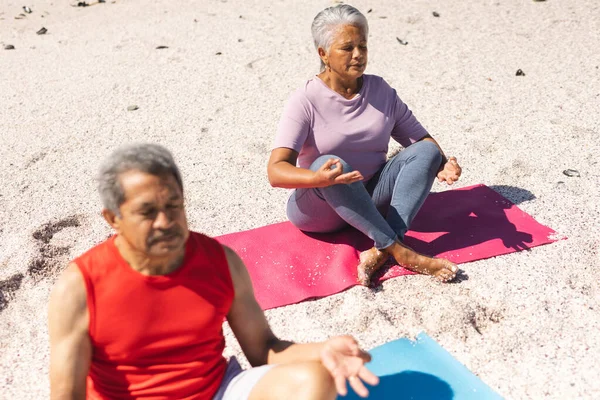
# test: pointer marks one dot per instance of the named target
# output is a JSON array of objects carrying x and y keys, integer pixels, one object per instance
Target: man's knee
[
  {"x": 307, "y": 380},
  {"x": 319, "y": 162},
  {"x": 314, "y": 380}
]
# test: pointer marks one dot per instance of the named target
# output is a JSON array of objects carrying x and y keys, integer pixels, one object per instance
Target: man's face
[{"x": 152, "y": 218}]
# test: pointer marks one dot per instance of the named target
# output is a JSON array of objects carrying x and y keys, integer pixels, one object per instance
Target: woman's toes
[
  {"x": 362, "y": 279},
  {"x": 450, "y": 266},
  {"x": 445, "y": 275}
]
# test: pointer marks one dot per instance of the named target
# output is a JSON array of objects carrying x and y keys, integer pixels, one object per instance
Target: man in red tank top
[{"x": 140, "y": 315}]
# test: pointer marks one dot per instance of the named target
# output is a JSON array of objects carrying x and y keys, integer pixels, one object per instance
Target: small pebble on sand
[
  {"x": 9, "y": 47},
  {"x": 132, "y": 108},
  {"x": 42, "y": 31},
  {"x": 571, "y": 173}
]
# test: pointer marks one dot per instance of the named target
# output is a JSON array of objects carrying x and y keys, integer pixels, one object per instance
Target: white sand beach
[{"x": 528, "y": 323}]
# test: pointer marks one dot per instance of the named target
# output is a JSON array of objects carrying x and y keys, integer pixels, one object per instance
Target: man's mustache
[{"x": 164, "y": 235}]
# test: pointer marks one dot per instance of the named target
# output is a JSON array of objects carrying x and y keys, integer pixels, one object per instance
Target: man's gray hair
[
  {"x": 327, "y": 22},
  {"x": 150, "y": 158}
]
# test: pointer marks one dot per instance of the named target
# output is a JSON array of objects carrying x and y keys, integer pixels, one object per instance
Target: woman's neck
[{"x": 347, "y": 89}]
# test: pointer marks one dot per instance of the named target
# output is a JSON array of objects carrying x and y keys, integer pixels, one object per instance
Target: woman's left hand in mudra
[{"x": 450, "y": 172}]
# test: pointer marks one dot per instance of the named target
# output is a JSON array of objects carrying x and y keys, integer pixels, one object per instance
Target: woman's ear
[{"x": 323, "y": 55}]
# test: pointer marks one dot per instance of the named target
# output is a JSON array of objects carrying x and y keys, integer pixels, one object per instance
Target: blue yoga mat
[{"x": 422, "y": 370}]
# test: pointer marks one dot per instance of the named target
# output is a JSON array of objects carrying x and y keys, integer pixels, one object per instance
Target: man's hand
[
  {"x": 450, "y": 172},
  {"x": 332, "y": 173},
  {"x": 346, "y": 361}
]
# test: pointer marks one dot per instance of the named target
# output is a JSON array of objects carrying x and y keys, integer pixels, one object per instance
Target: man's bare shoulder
[
  {"x": 233, "y": 259},
  {"x": 239, "y": 274},
  {"x": 69, "y": 293}
]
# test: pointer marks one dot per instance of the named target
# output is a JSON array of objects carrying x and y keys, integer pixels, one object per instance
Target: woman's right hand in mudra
[{"x": 332, "y": 173}]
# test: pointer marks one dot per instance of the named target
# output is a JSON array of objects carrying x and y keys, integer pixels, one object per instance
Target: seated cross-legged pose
[
  {"x": 331, "y": 147},
  {"x": 140, "y": 315}
]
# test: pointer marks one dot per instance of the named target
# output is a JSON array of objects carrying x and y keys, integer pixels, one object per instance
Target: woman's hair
[
  {"x": 327, "y": 21},
  {"x": 150, "y": 158}
]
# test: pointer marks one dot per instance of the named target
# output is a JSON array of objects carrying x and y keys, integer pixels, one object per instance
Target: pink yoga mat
[{"x": 288, "y": 266}]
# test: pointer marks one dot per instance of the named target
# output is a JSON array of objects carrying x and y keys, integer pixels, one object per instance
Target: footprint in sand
[
  {"x": 50, "y": 257},
  {"x": 8, "y": 288}
]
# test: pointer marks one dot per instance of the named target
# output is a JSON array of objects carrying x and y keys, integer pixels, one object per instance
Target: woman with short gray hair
[{"x": 331, "y": 147}]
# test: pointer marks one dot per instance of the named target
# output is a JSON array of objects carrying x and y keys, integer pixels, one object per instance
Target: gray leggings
[{"x": 381, "y": 208}]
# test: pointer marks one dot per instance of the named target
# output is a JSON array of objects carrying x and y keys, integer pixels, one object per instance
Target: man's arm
[
  {"x": 248, "y": 323},
  {"x": 340, "y": 355},
  {"x": 70, "y": 346}
]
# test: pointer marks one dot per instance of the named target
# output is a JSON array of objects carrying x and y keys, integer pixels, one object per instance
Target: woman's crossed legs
[{"x": 397, "y": 192}]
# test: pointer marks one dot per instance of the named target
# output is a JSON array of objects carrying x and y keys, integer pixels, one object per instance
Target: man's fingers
[
  {"x": 368, "y": 376},
  {"x": 365, "y": 356},
  {"x": 340, "y": 384},
  {"x": 358, "y": 386},
  {"x": 328, "y": 361}
]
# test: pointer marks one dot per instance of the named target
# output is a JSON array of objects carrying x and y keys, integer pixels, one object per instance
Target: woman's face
[{"x": 347, "y": 56}]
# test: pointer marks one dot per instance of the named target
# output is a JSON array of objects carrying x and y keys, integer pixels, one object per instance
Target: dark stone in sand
[
  {"x": 161, "y": 47},
  {"x": 402, "y": 42},
  {"x": 42, "y": 31},
  {"x": 370, "y": 9},
  {"x": 132, "y": 108},
  {"x": 436, "y": 14},
  {"x": 9, "y": 47},
  {"x": 571, "y": 173},
  {"x": 82, "y": 4},
  {"x": 520, "y": 72},
  {"x": 218, "y": 53}
]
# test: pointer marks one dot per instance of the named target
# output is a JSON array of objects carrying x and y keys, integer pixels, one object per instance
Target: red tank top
[{"x": 157, "y": 336}]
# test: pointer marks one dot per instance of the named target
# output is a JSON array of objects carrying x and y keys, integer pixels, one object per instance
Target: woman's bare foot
[
  {"x": 370, "y": 262},
  {"x": 440, "y": 268}
]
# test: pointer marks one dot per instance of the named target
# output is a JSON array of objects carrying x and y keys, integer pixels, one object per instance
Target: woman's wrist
[{"x": 443, "y": 163}]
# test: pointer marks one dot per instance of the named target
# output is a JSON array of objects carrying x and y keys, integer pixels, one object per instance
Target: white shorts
[{"x": 238, "y": 383}]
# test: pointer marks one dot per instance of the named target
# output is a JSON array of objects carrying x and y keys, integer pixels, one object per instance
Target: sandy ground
[{"x": 526, "y": 323}]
